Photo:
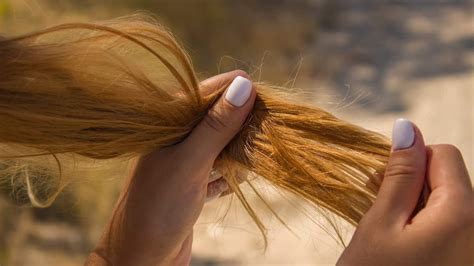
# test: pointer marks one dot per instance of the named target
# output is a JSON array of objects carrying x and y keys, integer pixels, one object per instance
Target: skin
[
  {"x": 152, "y": 223},
  {"x": 442, "y": 233}
]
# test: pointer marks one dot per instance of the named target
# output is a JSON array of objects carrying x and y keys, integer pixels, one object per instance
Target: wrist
[{"x": 109, "y": 252}]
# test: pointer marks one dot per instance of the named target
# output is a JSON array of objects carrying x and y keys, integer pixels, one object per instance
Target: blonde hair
[{"x": 125, "y": 88}]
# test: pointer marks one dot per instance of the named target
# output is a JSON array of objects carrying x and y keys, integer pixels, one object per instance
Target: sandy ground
[
  {"x": 418, "y": 66},
  {"x": 412, "y": 60},
  {"x": 444, "y": 115}
]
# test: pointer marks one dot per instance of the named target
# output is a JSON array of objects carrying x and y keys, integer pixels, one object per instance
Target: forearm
[
  {"x": 180, "y": 256},
  {"x": 123, "y": 243}
]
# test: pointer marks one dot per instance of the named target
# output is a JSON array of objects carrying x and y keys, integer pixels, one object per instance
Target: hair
[{"x": 124, "y": 88}]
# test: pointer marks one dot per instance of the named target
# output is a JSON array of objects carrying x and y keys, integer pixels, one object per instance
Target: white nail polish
[
  {"x": 403, "y": 134},
  {"x": 239, "y": 91}
]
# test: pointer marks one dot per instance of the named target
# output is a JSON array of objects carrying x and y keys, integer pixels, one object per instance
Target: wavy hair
[{"x": 126, "y": 87}]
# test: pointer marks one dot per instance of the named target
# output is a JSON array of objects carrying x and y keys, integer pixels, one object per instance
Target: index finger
[{"x": 446, "y": 168}]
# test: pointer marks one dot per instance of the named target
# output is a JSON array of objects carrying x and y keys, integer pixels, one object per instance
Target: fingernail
[
  {"x": 403, "y": 134},
  {"x": 239, "y": 91}
]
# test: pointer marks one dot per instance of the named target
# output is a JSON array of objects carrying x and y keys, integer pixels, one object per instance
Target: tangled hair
[{"x": 125, "y": 88}]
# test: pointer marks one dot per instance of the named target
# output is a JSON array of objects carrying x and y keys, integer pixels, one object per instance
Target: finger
[
  {"x": 214, "y": 175},
  {"x": 216, "y": 188},
  {"x": 222, "y": 122},
  {"x": 404, "y": 176},
  {"x": 214, "y": 83},
  {"x": 446, "y": 169}
]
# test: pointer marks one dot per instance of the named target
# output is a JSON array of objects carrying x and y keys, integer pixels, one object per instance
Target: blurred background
[{"x": 369, "y": 62}]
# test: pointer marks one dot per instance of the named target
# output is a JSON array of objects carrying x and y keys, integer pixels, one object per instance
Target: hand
[
  {"x": 154, "y": 218},
  {"x": 442, "y": 233}
]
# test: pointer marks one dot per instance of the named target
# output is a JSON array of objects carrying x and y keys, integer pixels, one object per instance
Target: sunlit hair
[{"x": 124, "y": 88}]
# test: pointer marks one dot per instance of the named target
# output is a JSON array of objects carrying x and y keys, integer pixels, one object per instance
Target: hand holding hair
[
  {"x": 82, "y": 92},
  {"x": 78, "y": 93},
  {"x": 441, "y": 233},
  {"x": 153, "y": 221}
]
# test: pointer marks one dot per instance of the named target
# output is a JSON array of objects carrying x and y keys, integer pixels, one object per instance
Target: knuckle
[
  {"x": 399, "y": 170},
  {"x": 448, "y": 149},
  {"x": 214, "y": 120}
]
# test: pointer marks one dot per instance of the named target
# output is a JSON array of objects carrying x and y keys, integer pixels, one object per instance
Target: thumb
[
  {"x": 404, "y": 176},
  {"x": 223, "y": 121}
]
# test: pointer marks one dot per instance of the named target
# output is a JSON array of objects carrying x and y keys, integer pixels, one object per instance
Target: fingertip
[
  {"x": 406, "y": 135},
  {"x": 224, "y": 119},
  {"x": 446, "y": 167},
  {"x": 404, "y": 175},
  {"x": 403, "y": 134},
  {"x": 240, "y": 72},
  {"x": 239, "y": 91},
  {"x": 419, "y": 140},
  {"x": 219, "y": 81}
]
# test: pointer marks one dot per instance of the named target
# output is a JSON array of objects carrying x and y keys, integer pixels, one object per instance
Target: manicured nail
[
  {"x": 403, "y": 134},
  {"x": 239, "y": 91}
]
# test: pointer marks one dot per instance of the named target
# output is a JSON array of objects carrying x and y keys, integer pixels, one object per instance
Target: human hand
[
  {"x": 154, "y": 218},
  {"x": 442, "y": 233}
]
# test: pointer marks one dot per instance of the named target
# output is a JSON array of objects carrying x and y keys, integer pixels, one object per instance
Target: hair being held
[{"x": 82, "y": 92}]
